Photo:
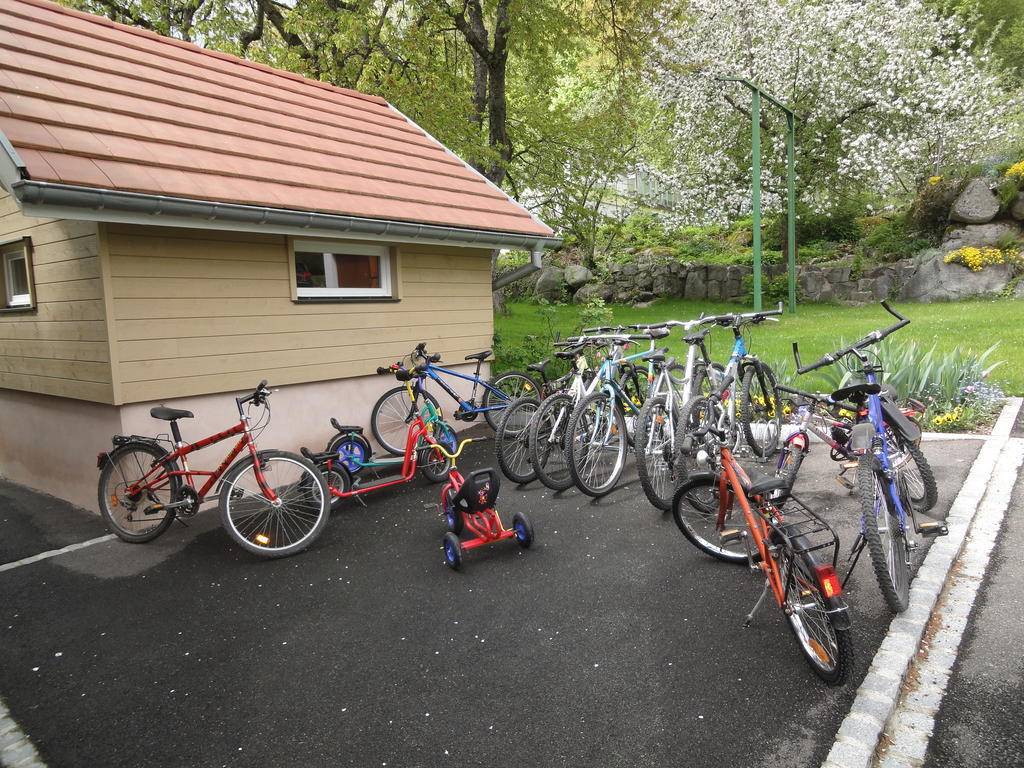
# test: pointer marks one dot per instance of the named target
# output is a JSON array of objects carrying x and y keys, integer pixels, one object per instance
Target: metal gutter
[
  {"x": 12, "y": 167},
  {"x": 521, "y": 272},
  {"x": 52, "y": 200}
]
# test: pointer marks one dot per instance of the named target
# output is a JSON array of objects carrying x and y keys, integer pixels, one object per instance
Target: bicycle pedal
[
  {"x": 844, "y": 482},
  {"x": 932, "y": 529},
  {"x": 731, "y": 536}
]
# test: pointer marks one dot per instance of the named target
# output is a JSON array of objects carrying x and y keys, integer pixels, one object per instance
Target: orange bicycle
[{"x": 726, "y": 515}]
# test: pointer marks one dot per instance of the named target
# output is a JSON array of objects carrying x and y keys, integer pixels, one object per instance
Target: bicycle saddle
[
  {"x": 169, "y": 414},
  {"x": 767, "y": 484},
  {"x": 853, "y": 391},
  {"x": 479, "y": 355},
  {"x": 538, "y": 367},
  {"x": 479, "y": 491}
]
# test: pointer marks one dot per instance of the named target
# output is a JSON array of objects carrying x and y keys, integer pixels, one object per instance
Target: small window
[
  {"x": 17, "y": 274},
  {"x": 341, "y": 270}
]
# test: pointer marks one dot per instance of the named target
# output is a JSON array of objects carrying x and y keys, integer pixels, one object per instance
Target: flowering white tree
[{"x": 887, "y": 91}]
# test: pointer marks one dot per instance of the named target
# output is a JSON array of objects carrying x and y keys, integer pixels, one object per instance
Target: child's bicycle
[
  {"x": 467, "y": 503},
  {"x": 427, "y": 437}
]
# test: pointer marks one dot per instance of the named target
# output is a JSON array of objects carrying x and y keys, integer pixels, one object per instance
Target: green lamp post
[{"x": 757, "y": 94}]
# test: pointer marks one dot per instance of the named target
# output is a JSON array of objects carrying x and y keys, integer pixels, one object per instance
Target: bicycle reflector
[
  {"x": 264, "y": 540},
  {"x": 828, "y": 579}
]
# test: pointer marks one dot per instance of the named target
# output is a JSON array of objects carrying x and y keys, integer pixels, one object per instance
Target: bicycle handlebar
[
  {"x": 872, "y": 338},
  {"x": 258, "y": 397}
]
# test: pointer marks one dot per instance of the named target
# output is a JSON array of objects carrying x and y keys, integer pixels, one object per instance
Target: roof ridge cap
[{"x": 227, "y": 57}]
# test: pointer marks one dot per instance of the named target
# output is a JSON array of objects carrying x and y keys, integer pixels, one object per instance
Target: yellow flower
[
  {"x": 936, "y": 179},
  {"x": 1016, "y": 171}
]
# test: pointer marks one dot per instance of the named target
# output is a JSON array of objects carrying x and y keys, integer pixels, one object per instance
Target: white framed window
[
  {"x": 341, "y": 270},
  {"x": 17, "y": 274}
]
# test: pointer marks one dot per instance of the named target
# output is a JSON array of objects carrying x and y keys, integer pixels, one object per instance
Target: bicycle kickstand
[
  {"x": 858, "y": 547},
  {"x": 757, "y": 605}
]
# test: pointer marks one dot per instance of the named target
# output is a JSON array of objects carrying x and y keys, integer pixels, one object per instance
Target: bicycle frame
[
  {"x": 419, "y": 428},
  {"x": 183, "y": 449},
  {"x": 466, "y": 405}
]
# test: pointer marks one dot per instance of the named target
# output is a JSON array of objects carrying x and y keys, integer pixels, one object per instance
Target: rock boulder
[
  {"x": 935, "y": 280},
  {"x": 576, "y": 275},
  {"x": 550, "y": 283},
  {"x": 976, "y": 204}
]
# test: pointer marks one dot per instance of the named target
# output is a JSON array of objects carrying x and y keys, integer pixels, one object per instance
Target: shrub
[
  {"x": 772, "y": 291},
  {"x": 953, "y": 384},
  {"x": 893, "y": 241}
]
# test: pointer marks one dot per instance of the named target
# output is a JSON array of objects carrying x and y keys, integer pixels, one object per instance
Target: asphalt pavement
[
  {"x": 611, "y": 642},
  {"x": 979, "y": 721}
]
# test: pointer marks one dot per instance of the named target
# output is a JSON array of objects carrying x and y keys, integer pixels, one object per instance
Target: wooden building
[{"x": 177, "y": 224}]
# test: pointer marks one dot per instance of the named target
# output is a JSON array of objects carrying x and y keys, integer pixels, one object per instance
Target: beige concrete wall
[
  {"x": 50, "y": 443},
  {"x": 60, "y": 347},
  {"x": 197, "y": 312}
]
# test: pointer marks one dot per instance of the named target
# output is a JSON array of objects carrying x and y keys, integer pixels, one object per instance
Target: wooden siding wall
[
  {"x": 199, "y": 312},
  {"x": 61, "y": 347}
]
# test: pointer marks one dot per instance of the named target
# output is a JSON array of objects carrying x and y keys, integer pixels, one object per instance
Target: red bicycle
[{"x": 272, "y": 503}]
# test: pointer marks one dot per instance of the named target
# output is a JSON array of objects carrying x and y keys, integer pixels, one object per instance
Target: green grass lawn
[{"x": 819, "y": 328}]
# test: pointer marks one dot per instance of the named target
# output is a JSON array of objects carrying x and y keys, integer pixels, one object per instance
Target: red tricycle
[{"x": 468, "y": 503}]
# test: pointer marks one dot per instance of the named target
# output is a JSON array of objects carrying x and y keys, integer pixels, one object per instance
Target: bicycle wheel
[
  {"x": 596, "y": 444},
  {"x": 886, "y": 539},
  {"x": 548, "y": 429},
  {"x": 697, "y": 510},
  {"x": 271, "y": 529},
  {"x": 655, "y": 450},
  {"x": 124, "y": 513},
  {"x": 790, "y": 459},
  {"x": 916, "y": 479},
  {"x": 433, "y": 464},
  {"x": 760, "y": 410},
  {"x": 338, "y": 478},
  {"x": 353, "y": 450},
  {"x": 512, "y": 440},
  {"x": 691, "y": 457},
  {"x": 512, "y": 385},
  {"x": 827, "y": 648},
  {"x": 391, "y": 416},
  {"x": 635, "y": 385}
]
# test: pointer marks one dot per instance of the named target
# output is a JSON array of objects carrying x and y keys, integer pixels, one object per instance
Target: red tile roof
[{"x": 89, "y": 102}]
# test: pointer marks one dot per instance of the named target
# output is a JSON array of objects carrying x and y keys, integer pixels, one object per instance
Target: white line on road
[{"x": 55, "y": 552}]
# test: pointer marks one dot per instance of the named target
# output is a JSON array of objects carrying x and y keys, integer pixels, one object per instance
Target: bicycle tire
[
  {"x": 696, "y": 506},
  {"x": 432, "y": 464},
  {"x": 760, "y": 410},
  {"x": 513, "y": 385},
  {"x": 353, "y": 450},
  {"x": 126, "y": 465},
  {"x": 655, "y": 450},
  {"x": 688, "y": 449},
  {"x": 391, "y": 416},
  {"x": 790, "y": 460},
  {"x": 826, "y": 648},
  {"x": 260, "y": 527},
  {"x": 547, "y": 442},
  {"x": 588, "y": 440},
  {"x": 887, "y": 545},
  {"x": 512, "y": 440},
  {"x": 914, "y": 472},
  {"x": 340, "y": 479}
]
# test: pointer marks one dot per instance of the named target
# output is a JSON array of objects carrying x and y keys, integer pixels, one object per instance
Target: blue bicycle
[
  {"x": 884, "y": 485},
  {"x": 392, "y": 413}
]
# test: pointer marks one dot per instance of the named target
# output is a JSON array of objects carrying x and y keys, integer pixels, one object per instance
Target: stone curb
[
  {"x": 860, "y": 733},
  {"x": 16, "y": 751}
]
